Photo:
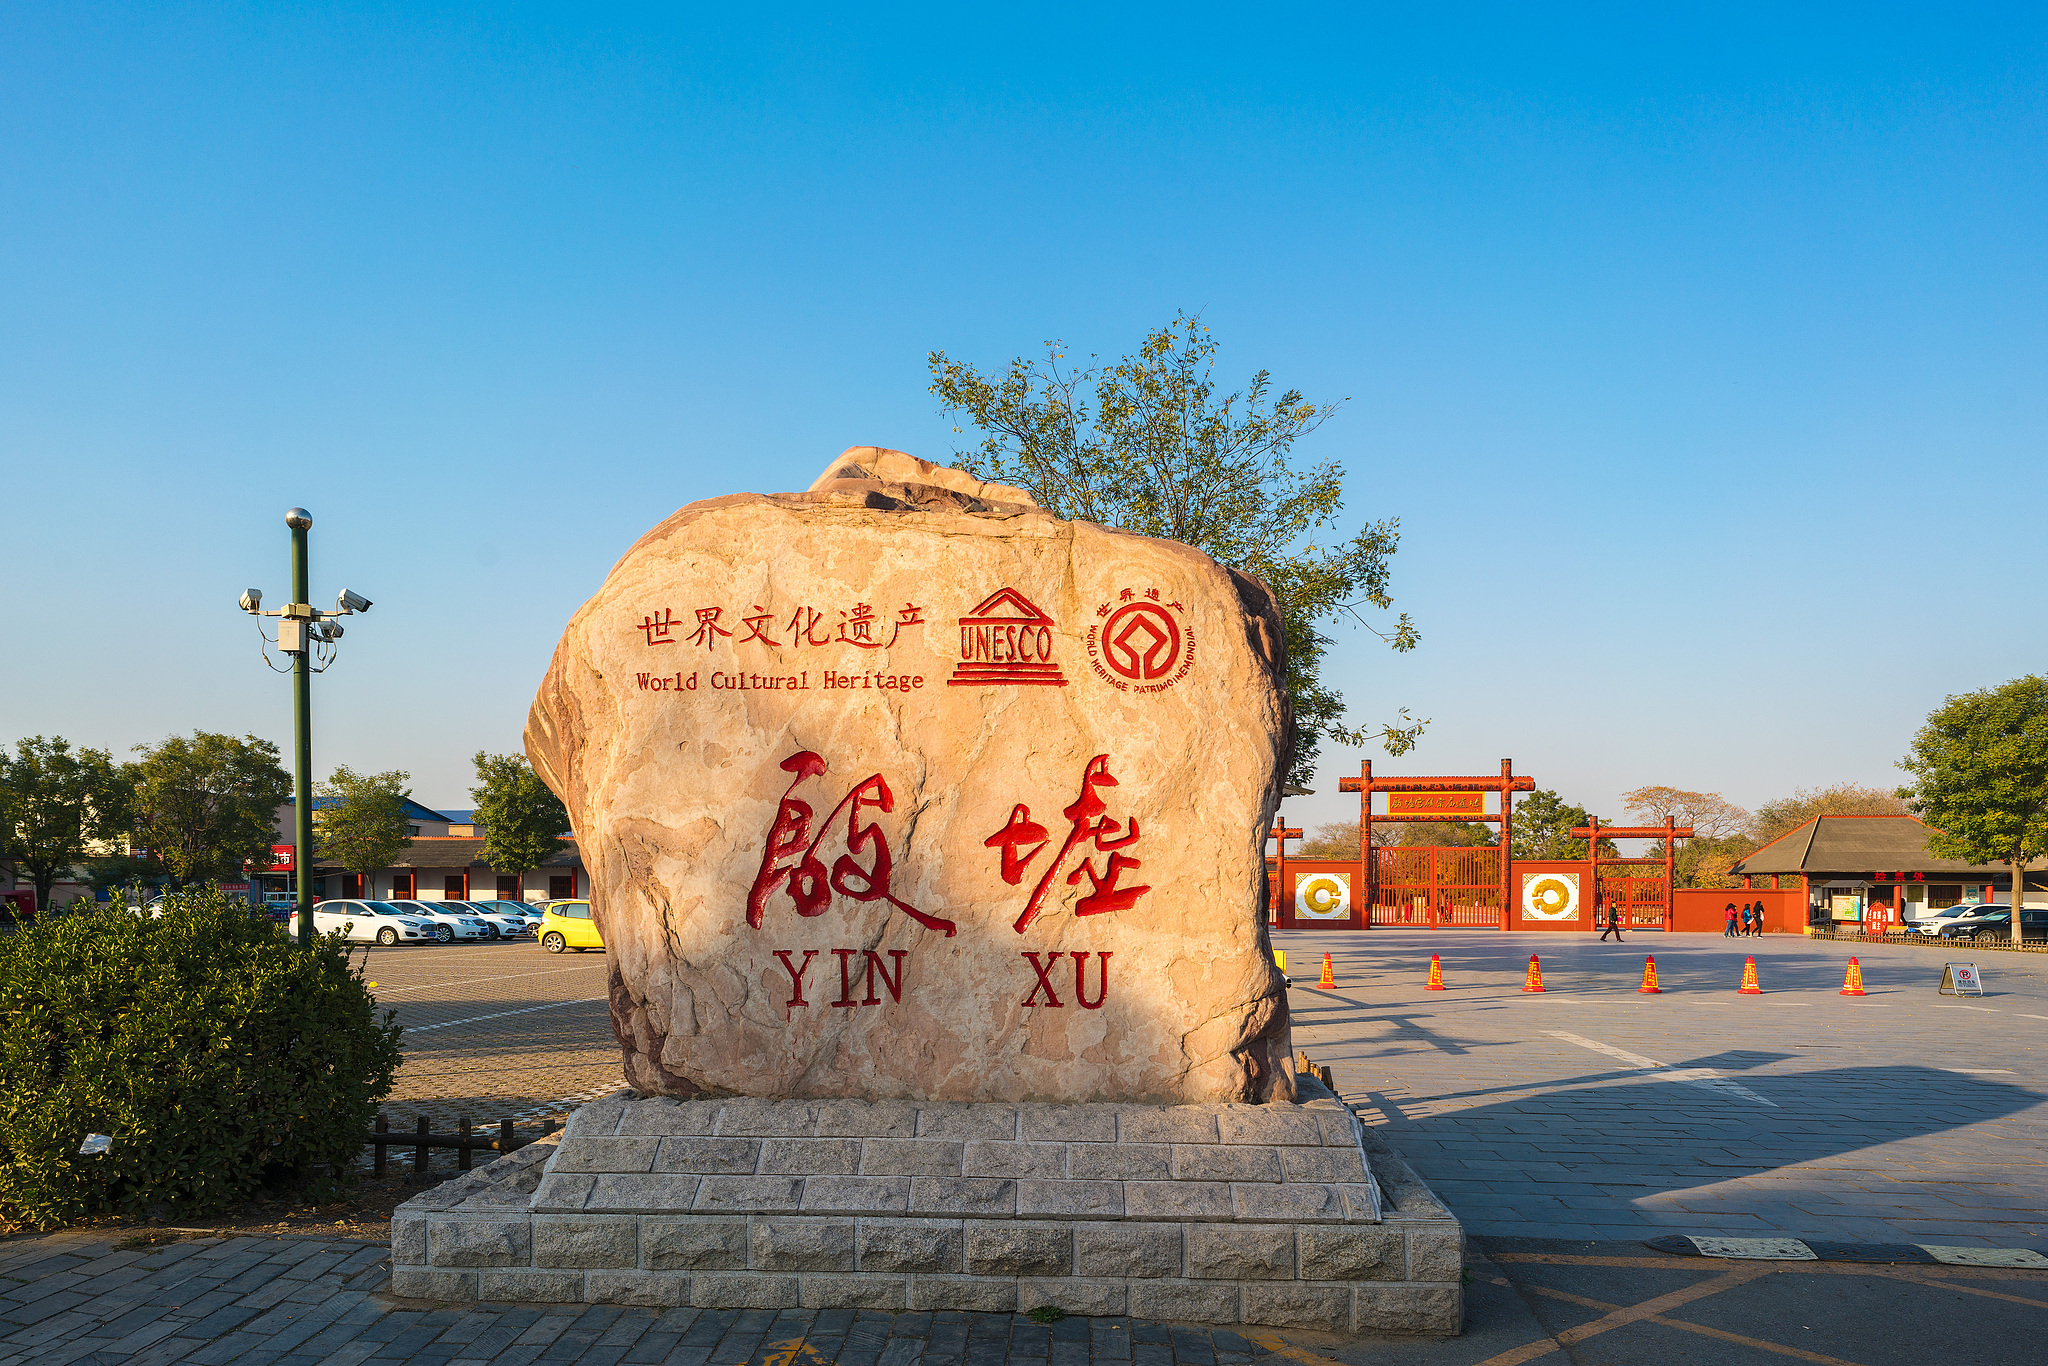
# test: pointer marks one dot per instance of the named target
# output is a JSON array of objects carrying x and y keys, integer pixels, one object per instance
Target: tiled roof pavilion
[{"x": 1854, "y": 845}]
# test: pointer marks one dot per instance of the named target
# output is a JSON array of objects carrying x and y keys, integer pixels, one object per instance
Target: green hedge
[{"x": 221, "y": 1058}]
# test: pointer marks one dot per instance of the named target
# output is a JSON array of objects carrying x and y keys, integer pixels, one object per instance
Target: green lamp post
[{"x": 307, "y": 635}]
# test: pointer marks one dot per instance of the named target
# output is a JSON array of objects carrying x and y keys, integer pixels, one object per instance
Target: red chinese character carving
[
  {"x": 1152, "y": 593},
  {"x": 1088, "y": 822},
  {"x": 803, "y": 626},
  {"x": 754, "y": 631},
  {"x": 805, "y": 880},
  {"x": 910, "y": 614},
  {"x": 862, "y": 625},
  {"x": 1021, "y": 830},
  {"x": 708, "y": 630},
  {"x": 1124, "y": 596},
  {"x": 658, "y": 628}
]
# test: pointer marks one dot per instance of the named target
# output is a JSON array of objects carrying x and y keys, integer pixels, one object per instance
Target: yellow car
[{"x": 567, "y": 925}]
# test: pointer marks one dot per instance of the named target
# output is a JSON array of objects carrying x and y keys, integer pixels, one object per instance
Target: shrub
[{"x": 220, "y": 1057}]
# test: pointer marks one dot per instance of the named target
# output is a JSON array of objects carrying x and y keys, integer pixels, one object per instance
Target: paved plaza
[
  {"x": 1593, "y": 1112},
  {"x": 494, "y": 1031},
  {"x": 1563, "y": 1128}
]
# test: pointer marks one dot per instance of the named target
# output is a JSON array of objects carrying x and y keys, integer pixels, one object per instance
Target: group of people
[{"x": 1748, "y": 921}]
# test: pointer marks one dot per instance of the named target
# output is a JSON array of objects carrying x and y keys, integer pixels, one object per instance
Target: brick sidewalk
[{"x": 77, "y": 1299}]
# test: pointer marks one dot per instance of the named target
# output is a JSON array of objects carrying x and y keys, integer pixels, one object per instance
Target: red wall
[
  {"x": 1695, "y": 910},
  {"x": 1704, "y": 910}
]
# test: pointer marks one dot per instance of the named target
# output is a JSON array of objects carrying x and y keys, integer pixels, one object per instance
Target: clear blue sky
[{"x": 1700, "y": 355}]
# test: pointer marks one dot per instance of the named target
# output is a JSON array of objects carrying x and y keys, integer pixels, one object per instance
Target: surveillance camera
[
  {"x": 352, "y": 602},
  {"x": 252, "y": 599},
  {"x": 327, "y": 630}
]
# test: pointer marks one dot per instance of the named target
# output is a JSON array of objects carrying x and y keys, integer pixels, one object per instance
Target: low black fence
[
  {"x": 1997, "y": 943},
  {"x": 465, "y": 1142}
]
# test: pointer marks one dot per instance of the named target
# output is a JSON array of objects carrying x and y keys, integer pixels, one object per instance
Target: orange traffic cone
[
  {"x": 1534, "y": 981},
  {"x": 1328, "y": 979},
  {"x": 1649, "y": 986},
  {"x": 1436, "y": 974},
  {"x": 1749, "y": 986},
  {"x": 1852, "y": 980}
]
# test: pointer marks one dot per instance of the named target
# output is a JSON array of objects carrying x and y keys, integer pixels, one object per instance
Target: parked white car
[
  {"x": 366, "y": 922},
  {"x": 507, "y": 920},
  {"x": 452, "y": 919},
  {"x": 1935, "y": 921}
]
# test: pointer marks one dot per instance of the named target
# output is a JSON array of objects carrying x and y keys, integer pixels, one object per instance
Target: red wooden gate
[
  {"x": 1437, "y": 886},
  {"x": 1635, "y": 887}
]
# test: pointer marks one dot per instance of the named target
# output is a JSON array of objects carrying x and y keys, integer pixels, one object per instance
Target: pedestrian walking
[
  {"x": 1729, "y": 933},
  {"x": 1613, "y": 923},
  {"x": 1745, "y": 920}
]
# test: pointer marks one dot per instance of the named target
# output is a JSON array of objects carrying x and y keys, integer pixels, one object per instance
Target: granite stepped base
[{"x": 1264, "y": 1214}]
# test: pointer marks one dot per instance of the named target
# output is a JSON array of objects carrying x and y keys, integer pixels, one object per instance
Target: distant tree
[
  {"x": 1543, "y": 826},
  {"x": 56, "y": 803},
  {"x": 1709, "y": 815},
  {"x": 1446, "y": 833},
  {"x": 129, "y": 871},
  {"x": 365, "y": 828},
  {"x": 523, "y": 821},
  {"x": 1775, "y": 819},
  {"x": 1339, "y": 840},
  {"x": 1980, "y": 778},
  {"x": 1721, "y": 832},
  {"x": 1161, "y": 453},
  {"x": 207, "y": 806},
  {"x": 1334, "y": 840}
]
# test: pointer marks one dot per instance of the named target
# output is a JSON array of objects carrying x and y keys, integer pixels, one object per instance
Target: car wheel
[
  {"x": 553, "y": 943},
  {"x": 387, "y": 936},
  {"x": 444, "y": 933}
]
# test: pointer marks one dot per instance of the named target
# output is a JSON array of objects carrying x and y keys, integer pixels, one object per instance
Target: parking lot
[{"x": 494, "y": 1030}]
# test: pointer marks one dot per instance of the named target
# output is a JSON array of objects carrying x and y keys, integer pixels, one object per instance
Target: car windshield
[{"x": 380, "y": 908}]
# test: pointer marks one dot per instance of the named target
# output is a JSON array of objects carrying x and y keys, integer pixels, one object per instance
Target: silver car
[
  {"x": 506, "y": 921},
  {"x": 449, "y": 924}
]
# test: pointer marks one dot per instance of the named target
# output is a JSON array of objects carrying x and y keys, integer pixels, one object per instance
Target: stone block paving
[{"x": 1591, "y": 1111}]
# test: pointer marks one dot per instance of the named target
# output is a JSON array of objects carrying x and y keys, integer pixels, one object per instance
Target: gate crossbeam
[
  {"x": 1668, "y": 832},
  {"x": 1365, "y": 785}
]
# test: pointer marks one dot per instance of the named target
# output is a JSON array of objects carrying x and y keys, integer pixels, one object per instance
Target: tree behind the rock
[
  {"x": 365, "y": 828},
  {"x": 523, "y": 821},
  {"x": 56, "y": 803},
  {"x": 207, "y": 806},
  {"x": 1161, "y": 453}
]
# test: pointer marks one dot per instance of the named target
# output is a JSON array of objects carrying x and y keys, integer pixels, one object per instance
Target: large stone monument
[{"x": 925, "y": 834}]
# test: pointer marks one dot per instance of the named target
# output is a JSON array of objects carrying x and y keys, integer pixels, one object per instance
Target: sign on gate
[
  {"x": 1961, "y": 979},
  {"x": 1550, "y": 896},
  {"x": 1323, "y": 896},
  {"x": 1436, "y": 803}
]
